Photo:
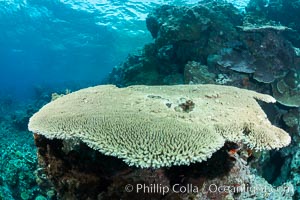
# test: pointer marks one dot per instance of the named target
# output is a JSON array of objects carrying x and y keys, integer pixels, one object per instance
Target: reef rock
[
  {"x": 263, "y": 52},
  {"x": 283, "y": 12},
  {"x": 83, "y": 173},
  {"x": 195, "y": 73},
  {"x": 182, "y": 35}
]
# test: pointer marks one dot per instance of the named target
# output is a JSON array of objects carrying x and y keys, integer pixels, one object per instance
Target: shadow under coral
[{"x": 79, "y": 172}]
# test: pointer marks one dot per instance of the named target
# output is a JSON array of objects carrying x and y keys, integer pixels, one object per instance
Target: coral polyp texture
[{"x": 157, "y": 126}]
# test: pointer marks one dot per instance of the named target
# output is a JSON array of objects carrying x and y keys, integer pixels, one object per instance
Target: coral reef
[
  {"x": 213, "y": 43},
  {"x": 19, "y": 169},
  {"x": 181, "y": 37},
  {"x": 6, "y": 103},
  {"x": 195, "y": 73},
  {"x": 295, "y": 166},
  {"x": 284, "y": 12},
  {"x": 182, "y": 34},
  {"x": 123, "y": 131},
  {"x": 263, "y": 53}
]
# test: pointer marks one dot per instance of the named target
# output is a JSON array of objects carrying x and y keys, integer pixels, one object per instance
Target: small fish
[
  {"x": 232, "y": 148},
  {"x": 250, "y": 152},
  {"x": 233, "y": 151}
]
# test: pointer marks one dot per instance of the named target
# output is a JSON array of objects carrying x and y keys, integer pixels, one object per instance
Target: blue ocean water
[
  {"x": 44, "y": 42},
  {"x": 50, "y": 43}
]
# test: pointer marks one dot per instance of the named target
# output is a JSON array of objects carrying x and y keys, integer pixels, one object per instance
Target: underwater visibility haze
[
  {"x": 52, "y": 42},
  {"x": 104, "y": 99}
]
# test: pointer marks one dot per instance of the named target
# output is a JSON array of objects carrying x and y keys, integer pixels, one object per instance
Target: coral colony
[{"x": 150, "y": 128}]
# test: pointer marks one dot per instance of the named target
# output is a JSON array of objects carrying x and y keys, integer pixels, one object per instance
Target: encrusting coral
[{"x": 146, "y": 126}]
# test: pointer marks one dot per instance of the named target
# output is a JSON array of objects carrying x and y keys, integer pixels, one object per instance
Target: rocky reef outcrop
[{"x": 257, "y": 50}]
